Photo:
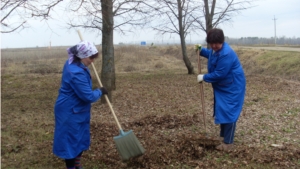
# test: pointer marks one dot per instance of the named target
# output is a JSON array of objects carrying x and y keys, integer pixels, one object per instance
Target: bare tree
[
  {"x": 220, "y": 12},
  {"x": 177, "y": 17},
  {"x": 186, "y": 16},
  {"x": 105, "y": 17},
  {"x": 15, "y": 13}
]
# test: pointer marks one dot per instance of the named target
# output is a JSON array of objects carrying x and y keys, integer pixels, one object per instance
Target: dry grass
[
  {"x": 284, "y": 64},
  {"x": 157, "y": 100}
]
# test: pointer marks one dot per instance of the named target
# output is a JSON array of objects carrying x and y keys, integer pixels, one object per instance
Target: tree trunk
[
  {"x": 209, "y": 14},
  {"x": 186, "y": 60},
  {"x": 108, "y": 77}
]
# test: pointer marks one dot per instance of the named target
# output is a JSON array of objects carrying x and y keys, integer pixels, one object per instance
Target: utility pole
[{"x": 275, "y": 29}]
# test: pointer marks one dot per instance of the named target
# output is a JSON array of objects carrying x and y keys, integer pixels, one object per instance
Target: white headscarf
[{"x": 84, "y": 49}]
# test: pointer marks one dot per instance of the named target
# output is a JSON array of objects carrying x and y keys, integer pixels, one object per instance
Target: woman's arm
[
  {"x": 81, "y": 85},
  {"x": 223, "y": 66},
  {"x": 205, "y": 52}
]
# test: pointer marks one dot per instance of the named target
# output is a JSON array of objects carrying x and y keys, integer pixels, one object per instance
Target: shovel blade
[{"x": 128, "y": 145}]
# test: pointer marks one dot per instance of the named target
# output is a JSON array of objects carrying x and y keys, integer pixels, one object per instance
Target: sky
[{"x": 255, "y": 22}]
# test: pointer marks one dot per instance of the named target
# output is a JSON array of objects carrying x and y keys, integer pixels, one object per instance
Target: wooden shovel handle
[
  {"x": 201, "y": 91},
  {"x": 105, "y": 96}
]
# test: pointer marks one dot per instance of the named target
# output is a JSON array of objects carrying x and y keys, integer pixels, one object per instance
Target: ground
[{"x": 163, "y": 108}]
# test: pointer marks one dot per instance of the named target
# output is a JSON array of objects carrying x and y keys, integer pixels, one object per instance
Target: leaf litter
[
  {"x": 166, "y": 117},
  {"x": 164, "y": 111}
]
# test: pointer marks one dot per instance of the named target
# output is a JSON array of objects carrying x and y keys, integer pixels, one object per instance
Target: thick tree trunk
[{"x": 108, "y": 77}]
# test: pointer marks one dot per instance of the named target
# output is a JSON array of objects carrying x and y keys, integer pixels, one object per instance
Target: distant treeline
[
  {"x": 268, "y": 41},
  {"x": 234, "y": 41}
]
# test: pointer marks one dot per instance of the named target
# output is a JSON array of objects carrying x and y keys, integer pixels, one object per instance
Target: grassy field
[{"x": 160, "y": 102}]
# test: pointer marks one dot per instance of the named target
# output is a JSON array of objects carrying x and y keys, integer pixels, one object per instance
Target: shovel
[{"x": 127, "y": 143}]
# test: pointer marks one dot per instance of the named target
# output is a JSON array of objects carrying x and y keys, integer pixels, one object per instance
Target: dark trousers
[
  {"x": 71, "y": 162},
  {"x": 227, "y": 131}
]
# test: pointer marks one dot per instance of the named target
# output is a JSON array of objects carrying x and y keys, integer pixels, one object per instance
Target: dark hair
[
  {"x": 215, "y": 35},
  {"x": 73, "y": 50},
  {"x": 94, "y": 56}
]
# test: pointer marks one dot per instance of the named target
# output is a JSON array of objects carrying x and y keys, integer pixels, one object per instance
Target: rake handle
[
  {"x": 201, "y": 91},
  {"x": 105, "y": 96}
]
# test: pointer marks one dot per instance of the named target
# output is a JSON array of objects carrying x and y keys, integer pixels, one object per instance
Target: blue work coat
[
  {"x": 227, "y": 77},
  {"x": 72, "y": 111}
]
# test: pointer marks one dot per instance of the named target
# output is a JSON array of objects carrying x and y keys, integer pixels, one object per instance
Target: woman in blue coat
[
  {"x": 227, "y": 77},
  {"x": 73, "y": 105}
]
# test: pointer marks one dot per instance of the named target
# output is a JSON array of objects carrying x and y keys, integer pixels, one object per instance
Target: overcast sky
[{"x": 254, "y": 22}]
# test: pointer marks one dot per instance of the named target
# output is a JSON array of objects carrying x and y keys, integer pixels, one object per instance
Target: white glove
[
  {"x": 197, "y": 47},
  {"x": 200, "y": 78}
]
